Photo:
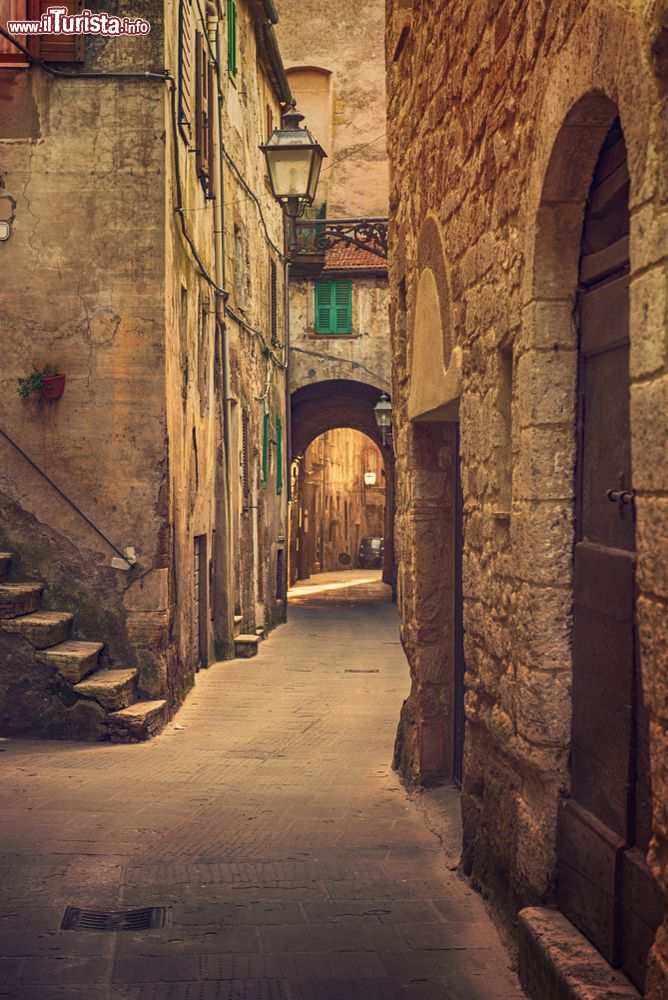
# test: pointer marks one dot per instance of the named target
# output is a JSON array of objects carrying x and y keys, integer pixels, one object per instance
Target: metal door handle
[{"x": 621, "y": 496}]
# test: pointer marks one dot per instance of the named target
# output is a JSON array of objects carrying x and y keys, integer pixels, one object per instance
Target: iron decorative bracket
[{"x": 317, "y": 236}]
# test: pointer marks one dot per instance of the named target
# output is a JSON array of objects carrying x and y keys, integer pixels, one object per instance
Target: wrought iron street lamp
[
  {"x": 383, "y": 414},
  {"x": 294, "y": 160}
]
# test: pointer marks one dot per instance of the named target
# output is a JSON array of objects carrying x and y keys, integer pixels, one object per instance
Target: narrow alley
[{"x": 267, "y": 822}]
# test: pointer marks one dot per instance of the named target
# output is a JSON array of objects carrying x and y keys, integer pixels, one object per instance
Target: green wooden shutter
[
  {"x": 323, "y": 306},
  {"x": 279, "y": 455},
  {"x": 343, "y": 307},
  {"x": 231, "y": 37}
]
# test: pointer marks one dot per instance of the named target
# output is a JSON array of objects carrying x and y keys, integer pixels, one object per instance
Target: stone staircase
[{"x": 128, "y": 719}]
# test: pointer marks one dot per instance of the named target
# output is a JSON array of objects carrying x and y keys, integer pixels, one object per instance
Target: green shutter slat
[
  {"x": 323, "y": 307},
  {"x": 279, "y": 455},
  {"x": 232, "y": 37},
  {"x": 343, "y": 302}
]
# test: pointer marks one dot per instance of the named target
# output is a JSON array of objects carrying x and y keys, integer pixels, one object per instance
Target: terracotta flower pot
[{"x": 53, "y": 386}]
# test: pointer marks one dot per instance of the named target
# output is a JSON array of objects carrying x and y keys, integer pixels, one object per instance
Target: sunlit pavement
[{"x": 266, "y": 819}]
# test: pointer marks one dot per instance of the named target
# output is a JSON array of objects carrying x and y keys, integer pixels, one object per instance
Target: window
[
  {"x": 50, "y": 48},
  {"x": 202, "y": 77},
  {"x": 231, "y": 37},
  {"x": 333, "y": 307},
  {"x": 186, "y": 70}
]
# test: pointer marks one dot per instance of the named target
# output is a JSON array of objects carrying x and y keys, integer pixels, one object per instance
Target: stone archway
[
  {"x": 323, "y": 406},
  {"x": 578, "y": 340}
]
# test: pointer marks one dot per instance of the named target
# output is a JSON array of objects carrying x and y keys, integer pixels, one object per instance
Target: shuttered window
[
  {"x": 333, "y": 307},
  {"x": 279, "y": 455},
  {"x": 231, "y": 37},
  {"x": 186, "y": 70},
  {"x": 56, "y": 48},
  {"x": 212, "y": 97},
  {"x": 202, "y": 108}
]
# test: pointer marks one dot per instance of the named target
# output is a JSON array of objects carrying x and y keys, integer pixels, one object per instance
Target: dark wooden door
[{"x": 605, "y": 886}]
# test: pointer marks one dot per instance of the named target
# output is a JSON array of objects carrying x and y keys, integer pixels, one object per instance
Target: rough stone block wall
[{"x": 497, "y": 112}]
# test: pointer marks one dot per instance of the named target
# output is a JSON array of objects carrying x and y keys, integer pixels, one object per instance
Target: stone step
[
  {"x": 5, "y": 563},
  {"x": 42, "y": 629},
  {"x": 19, "y": 598},
  {"x": 73, "y": 660},
  {"x": 246, "y": 646},
  {"x": 113, "y": 689},
  {"x": 137, "y": 722}
]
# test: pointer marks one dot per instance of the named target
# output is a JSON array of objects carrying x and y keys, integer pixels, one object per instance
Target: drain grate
[
  {"x": 76, "y": 919},
  {"x": 361, "y": 671}
]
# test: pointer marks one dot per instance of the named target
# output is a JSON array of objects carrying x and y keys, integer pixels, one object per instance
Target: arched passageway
[{"x": 317, "y": 409}]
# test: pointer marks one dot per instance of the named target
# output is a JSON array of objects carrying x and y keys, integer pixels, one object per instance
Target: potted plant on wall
[{"x": 46, "y": 381}]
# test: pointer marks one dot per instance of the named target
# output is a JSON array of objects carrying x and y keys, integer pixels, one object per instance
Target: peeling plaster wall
[
  {"x": 82, "y": 184},
  {"x": 362, "y": 355},
  {"x": 478, "y": 94},
  {"x": 351, "y": 47}
]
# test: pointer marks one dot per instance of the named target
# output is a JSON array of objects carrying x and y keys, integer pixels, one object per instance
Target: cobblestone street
[{"x": 268, "y": 822}]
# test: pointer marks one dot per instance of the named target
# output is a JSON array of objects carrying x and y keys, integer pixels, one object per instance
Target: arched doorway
[
  {"x": 604, "y": 884},
  {"x": 342, "y": 403}
]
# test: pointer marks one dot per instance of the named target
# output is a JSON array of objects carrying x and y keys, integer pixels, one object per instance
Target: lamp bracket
[{"x": 319, "y": 235}]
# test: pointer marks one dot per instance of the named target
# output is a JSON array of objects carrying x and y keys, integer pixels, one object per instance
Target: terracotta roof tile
[{"x": 344, "y": 257}]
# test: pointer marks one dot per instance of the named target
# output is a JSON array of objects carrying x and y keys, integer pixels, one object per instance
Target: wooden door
[{"x": 605, "y": 886}]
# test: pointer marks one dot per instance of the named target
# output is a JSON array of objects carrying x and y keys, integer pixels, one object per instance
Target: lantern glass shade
[
  {"x": 294, "y": 160},
  {"x": 383, "y": 413},
  {"x": 369, "y": 478},
  {"x": 294, "y": 172}
]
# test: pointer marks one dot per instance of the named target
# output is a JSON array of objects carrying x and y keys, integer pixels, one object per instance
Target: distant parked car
[{"x": 371, "y": 553}]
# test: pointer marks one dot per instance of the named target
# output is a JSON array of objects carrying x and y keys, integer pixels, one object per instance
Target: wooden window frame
[
  {"x": 232, "y": 39},
  {"x": 56, "y": 48},
  {"x": 187, "y": 77},
  {"x": 333, "y": 327}
]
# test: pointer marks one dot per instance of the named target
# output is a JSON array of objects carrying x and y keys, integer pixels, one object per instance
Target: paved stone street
[{"x": 267, "y": 820}]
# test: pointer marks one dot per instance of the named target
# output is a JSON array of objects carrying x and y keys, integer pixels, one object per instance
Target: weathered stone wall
[
  {"x": 99, "y": 279},
  {"x": 496, "y": 116},
  {"x": 82, "y": 185},
  {"x": 258, "y": 383}
]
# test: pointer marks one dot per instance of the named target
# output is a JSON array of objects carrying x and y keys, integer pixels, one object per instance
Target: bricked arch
[{"x": 322, "y": 406}]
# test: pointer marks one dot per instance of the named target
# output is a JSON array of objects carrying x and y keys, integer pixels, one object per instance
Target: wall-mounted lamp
[{"x": 383, "y": 413}]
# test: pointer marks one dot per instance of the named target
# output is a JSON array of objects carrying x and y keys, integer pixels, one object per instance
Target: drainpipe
[{"x": 286, "y": 362}]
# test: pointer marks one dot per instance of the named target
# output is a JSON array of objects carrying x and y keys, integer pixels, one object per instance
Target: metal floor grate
[{"x": 76, "y": 919}]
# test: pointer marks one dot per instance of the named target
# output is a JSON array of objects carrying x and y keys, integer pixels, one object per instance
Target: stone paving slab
[{"x": 291, "y": 863}]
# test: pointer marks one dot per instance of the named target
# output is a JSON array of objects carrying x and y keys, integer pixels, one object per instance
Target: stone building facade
[
  {"x": 528, "y": 298},
  {"x": 144, "y": 260},
  {"x": 339, "y": 329}
]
